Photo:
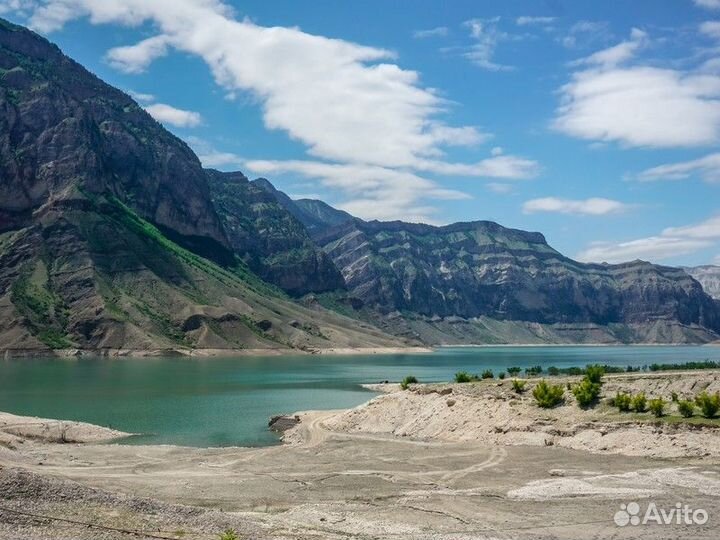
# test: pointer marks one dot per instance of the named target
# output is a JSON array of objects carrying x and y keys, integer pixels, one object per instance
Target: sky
[{"x": 595, "y": 123}]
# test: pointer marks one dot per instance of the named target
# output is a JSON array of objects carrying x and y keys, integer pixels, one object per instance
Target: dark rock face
[
  {"x": 269, "y": 238},
  {"x": 65, "y": 134},
  {"x": 480, "y": 268}
]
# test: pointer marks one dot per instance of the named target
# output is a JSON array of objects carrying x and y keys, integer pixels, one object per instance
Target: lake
[{"x": 228, "y": 401}]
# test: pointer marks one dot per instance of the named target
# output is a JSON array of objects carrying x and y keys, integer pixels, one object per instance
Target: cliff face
[
  {"x": 65, "y": 134},
  {"x": 269, "y": 238},
  {"x": 708, "y": 276},
  {"x": 109, "y": 238}
]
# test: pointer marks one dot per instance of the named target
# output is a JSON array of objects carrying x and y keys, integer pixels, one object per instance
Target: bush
[
  {"x": 518, "y": 386},
  {"x": 463, "y": 377},
  {"x": 407, "y": 381},
  {"x": 709, "y": 404},
  {"x": 639, "y": 402},
  {"x": 548, "y": 396},
  {"x": 533, "y": 371},
  {"x": 657, "y": 407},
  {"x": 674, "y": 397},
  {"x": 229, "y": 534},
  {"x": 487, "y": 374},
  {"x": 586, "y": 392},
  {"x": 501, "y": 375},
  {"x": 622, "y": 401},
  {"x": 553, "y": 371},
  {"x": 513, "y": 371},
  {"x": 686, "y": 408},
  {"x": 594, "y": 373}
]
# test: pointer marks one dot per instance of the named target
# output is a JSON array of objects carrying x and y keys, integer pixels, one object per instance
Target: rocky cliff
[
  {"x": 270, "y": 239},
  {"x": 109, "y": 238},
  {"x": 708, "y": 276}
]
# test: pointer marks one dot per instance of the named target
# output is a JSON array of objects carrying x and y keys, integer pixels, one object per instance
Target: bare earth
[{"x": 435, "y": 462}]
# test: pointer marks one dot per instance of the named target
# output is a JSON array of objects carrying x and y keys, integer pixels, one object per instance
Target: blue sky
[{"x": 596, "y": 123}]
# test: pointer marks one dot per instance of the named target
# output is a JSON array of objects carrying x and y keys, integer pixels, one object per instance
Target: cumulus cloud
[
  {"x": 595, "y": 206},
  {"x": 528, "y": 20},
  {"x": 210, "y": 157},
  {"x": 611, "y": 100},
  {"x": 350, "y": 105},
  {"x": 168, "y": 114},
  {"x": 439, "y": 31},
  {"x": 707, "y": 168},
  {"x": 671, "y": 242}
]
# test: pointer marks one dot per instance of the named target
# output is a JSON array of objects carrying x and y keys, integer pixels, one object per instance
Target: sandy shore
[{"x": 455, "y": 462}]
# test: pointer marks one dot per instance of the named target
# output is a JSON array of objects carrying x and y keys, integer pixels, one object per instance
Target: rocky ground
[{"x": 402, "y": 475}]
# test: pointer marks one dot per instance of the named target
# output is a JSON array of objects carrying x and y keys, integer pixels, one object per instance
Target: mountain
[
  {"x": 313, "y": 214},
  {"x": 109, "y": 237},
  {"x": 269, "y": 238},
  {"x": 481, "y": 282},
  {"x": 709, "y": 278}
]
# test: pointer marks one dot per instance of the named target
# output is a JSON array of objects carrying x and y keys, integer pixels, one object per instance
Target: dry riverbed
[{"x": 434, "y": 462}]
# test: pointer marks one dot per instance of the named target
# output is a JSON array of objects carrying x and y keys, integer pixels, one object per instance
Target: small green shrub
[
  {"x": 487, "y": 374},
  {"x": 229, "y": 534},
  {"x": 622, "y": 401},
  {"x": 657, "y": 407},
  {"x": 518, "y": 385},
  {"x": 548, "y": 396},
  {"x": 586, "y": 392},
  {"x": 553, "y": 371},
  {"x": 463, "y": 377},
  {"x": 407, "y": 381},
  {"x": 709, "y": 404},
  {"x": 501, "y": 375},
  {"x": 513, "y": 371},
  {"x": 639, "y": 402},
  {"x": 686, "y": 408},
  {"x": 533, "y": 371},
  {"x": 674, "y": 397},
  {"x": 594, "y": 373}
]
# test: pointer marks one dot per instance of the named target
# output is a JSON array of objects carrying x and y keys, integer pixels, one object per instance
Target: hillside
[
  {"x": 109, "y": 238},
  {"x": 479, "y": 282}
]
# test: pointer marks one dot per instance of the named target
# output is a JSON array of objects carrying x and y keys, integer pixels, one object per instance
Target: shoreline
[{"x": 330, "y": 351}]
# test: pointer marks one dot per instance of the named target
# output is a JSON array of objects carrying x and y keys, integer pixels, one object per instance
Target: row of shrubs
[{"x": 709, "y": 404}]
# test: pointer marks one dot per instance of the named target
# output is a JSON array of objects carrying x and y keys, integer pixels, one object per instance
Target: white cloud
[
  {"x": 595, "y": 206},
  {"x": 583, "y": 33},
  {"x": 136, "y": 58},
  {"x": 711, "y": 28},
  {"x": 527, "y": 20},
  {"x": 707, "y": 168},
  {"x": 211, "y": 157},
  {"x": 439, "y": 31},
  {"x": 487, "y": 36},
  {"x": 609, "y": 100},
  {"x": 140, "y": 96},
  {"x": 708, "y": 4},
  {"x": 168, "y": 114},
  {"x": 671, "y": 242},
  {"x": 654, "y": 248},
  {"x": 375, "y": 192},
  {"x": 351, "y": 105}
]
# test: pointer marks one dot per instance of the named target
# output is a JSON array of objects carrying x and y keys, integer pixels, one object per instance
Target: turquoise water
[{"x": 228, "y": 401}]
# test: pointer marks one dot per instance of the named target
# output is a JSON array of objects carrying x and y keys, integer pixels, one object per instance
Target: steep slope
[
  {"x": 709, "y": 278},
  {"x": 269, "y": 238},
  {"x": 106, "y": 221},
  {"x": 313, "y": 214},
  {"x": 440, "y": 276}
]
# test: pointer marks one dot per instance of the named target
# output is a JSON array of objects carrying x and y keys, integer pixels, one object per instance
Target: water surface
[{"x": 228, "y": 401}]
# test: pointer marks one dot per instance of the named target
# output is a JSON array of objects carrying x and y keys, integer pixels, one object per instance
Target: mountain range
[{"x": 114, "y": 237}]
